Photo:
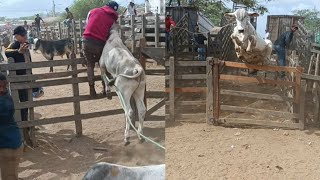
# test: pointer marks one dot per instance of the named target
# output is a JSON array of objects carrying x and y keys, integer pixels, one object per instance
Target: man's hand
[{"x": 23, "y": 47}]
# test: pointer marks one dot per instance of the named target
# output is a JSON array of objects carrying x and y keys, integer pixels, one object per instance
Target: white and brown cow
[
  {"x": 108, "y": 171},
  {"x": 249, "y": 46}
]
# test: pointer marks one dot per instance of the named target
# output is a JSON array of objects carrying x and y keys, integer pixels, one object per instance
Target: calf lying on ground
[
  {"x": 107, "y": 171},
  {"x": 129, "y": 78},
  {"x": 49, "y": 49}
]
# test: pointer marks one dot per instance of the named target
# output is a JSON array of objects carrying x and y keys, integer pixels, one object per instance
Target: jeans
[
  {"x": 168, "y": 40},
  {"x": 281, "y": 53},
  {"x": 202, "y": 54},
  {"x": 67, "y": 22}
]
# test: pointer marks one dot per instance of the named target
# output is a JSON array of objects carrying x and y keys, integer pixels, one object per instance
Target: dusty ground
[
  {"x": 201, "y": 151},
  {"x": 58, "y": 158}
]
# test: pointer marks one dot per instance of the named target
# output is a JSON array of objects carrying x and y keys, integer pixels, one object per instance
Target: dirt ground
[
  {"x": 202, "y": 151},
  {"x": 61, "y": 155}
]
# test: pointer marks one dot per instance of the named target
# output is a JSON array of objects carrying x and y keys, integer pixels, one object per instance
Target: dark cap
[
  {"x": 67, "y": 9},
  {"x": 114, "y": 5},
  {"x": 20, "y": 31}
]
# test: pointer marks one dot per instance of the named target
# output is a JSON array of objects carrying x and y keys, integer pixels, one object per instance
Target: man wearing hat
[
  {"x": 16, "y": 51},
  {"x": 68, "y": 19},
  {"x": 282, "y": 43},
  {"x": 99, "y": 22},
  {"x": 169, "y": 22},
  {"x": 37, "y": 23}
]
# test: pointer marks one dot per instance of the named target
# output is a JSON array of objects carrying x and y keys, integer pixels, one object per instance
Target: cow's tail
[{"x": 137, "y": 71}]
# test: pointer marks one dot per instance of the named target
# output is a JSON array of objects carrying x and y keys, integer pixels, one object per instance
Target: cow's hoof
[
  {"x": 127, "y": 143},
  {"x": 109, "y": 95}
]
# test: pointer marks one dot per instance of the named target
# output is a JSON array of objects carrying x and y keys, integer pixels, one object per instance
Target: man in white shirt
[{"x": 131, "y": 10}]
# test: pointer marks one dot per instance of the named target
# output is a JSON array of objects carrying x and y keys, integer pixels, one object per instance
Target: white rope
[{"x": 128, "y": 120}]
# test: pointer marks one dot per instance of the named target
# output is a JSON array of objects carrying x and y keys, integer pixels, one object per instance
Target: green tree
[
  {"x": 312, "y": 18},
  {"x": 214, "y": 9}
]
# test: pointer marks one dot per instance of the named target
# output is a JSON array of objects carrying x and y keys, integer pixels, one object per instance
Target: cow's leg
[
  {"x": 90, "y": 72},
  {"x": 125, "y": 93},
  {"x": 51, "y": 67},
  {"x": 68, "y": 57},
  {"x": 237, "y": 43},
  {"x": 251, "y": 43},
  {"x": 105, "y": 84},
  {"x": 139, "y": 98}
]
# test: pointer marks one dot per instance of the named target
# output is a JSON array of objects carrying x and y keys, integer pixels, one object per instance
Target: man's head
[
  {"x": 37, "y": 15},
  {"x": 3, "y": 84},
  {"x": 114, "y": 5},
  {"x": 266, "y": 30},
  {"x": 20, "y": 34},
  {"x": 168, "y": 15},
  {"x": 67, "y": 9},
  {"x": 294, "y": 28}
]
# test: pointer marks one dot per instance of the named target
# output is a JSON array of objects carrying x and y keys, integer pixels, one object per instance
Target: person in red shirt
[
  {"x": 169, "y": 22},
  {"x": 99, "y": 22}
]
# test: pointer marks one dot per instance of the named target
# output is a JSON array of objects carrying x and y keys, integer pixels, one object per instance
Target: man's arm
[
  {"x": 41, "y": 20},
  {"x": 12, "y": 50}
]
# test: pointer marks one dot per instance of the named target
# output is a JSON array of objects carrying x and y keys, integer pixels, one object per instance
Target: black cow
[{"x": 50, "y": 48}]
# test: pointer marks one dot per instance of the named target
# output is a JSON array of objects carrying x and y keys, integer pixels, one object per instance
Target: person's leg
[
  {"x": 23, "y": 97},
  {"x": 282, "y": 58},
  {"x": 168, "y": 41},
  {"x": 89, "y": 57},
  {"x": 9, "y": 163}
]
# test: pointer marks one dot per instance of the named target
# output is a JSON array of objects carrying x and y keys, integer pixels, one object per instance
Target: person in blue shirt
[
  {"x": 11, "y": 146},
  {"x": 282, "y": 43}
]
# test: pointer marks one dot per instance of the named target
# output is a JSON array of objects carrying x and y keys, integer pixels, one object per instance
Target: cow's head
[
  {"x": 36, "y": 44},
  {"x": 242, "y": 17}
]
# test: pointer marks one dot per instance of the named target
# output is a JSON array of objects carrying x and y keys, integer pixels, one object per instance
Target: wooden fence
[
  {"x": 133, "y": 28},
  {"x": 29, "y": 81}
]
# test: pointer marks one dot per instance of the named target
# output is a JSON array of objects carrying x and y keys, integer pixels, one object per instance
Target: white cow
[
  {"x": 250, "y": 47},
  {"x": 108, "y": 171},
  {"x": 129, "y": 78}
]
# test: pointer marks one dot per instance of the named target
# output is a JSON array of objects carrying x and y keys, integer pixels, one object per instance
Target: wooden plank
[
  {"x": 34, "y": 77},
  {"x": 315, "y": 51},
  {"x": 209, "y": 98},
  {"x": 302, "y": 104},
  {"x": 255, "y": 95},
  {"x": 24, "y": 124},
  {"x": 310, "y": 77},
  {"x": 18, "y": 66},
  {"x": 196, "y": 117},
  {"x": 156, "y": 107},
  {"x": 188, "y": 90},
  {"x": 189, "y": 76},
  {"x": 259, "y": 80},
  {"x": 189, "y": 63},
  {"x": 259, "y": 111},
  {"x": 239, "y": 121},
  {"x": 63, "y": 100},
  {"x": 188, "y": 103},
  {"x": 261, "y": 68},
  {"x": 172, "y": 89},
  {"x": 55, "y": 82}
]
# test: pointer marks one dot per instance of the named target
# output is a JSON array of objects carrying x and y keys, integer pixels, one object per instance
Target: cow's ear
[{"x": 229, "y": 15}]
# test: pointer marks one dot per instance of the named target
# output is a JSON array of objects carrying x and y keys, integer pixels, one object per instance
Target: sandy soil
[
  {"x": 201, "y": 151},
  {"x": 61, "y": 155}
]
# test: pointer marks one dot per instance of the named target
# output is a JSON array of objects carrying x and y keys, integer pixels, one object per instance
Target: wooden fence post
[
  {"x": 216, "y": 91},
  {"x": 209, "y": 98},
  {"x": 172, "y": 88},
  {"x": 302, "y": 104},
  {"x": 81, "y": 32},
  {"x": 133, "y": 35},
  {"x": 121, "y": 31},
  {"x": 76, "y": 103},
  {"x": 156, "y": 31},
  {"x": 75, "y": 36},
  {"x": 59, "y": 29},
  {"x": 30, "y": 99},
  {"x": 143, "y": 24}
]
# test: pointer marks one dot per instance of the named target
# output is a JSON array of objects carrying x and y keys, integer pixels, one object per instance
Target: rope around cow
[{"x": 127, "y": 119}]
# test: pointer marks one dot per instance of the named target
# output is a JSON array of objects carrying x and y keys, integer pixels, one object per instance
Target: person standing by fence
[
  {"x": 169, "y": 22},
  {"x": 281, "y": 44},
  {"x": 16, "y": 51},
  {"x": 37, "y": 24},
  {"x": 99, "y": 22},
  {"x": 11, "y": 146},
  {"x": 199, "y": 39},
  {"x": 68, "y": 19}
]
